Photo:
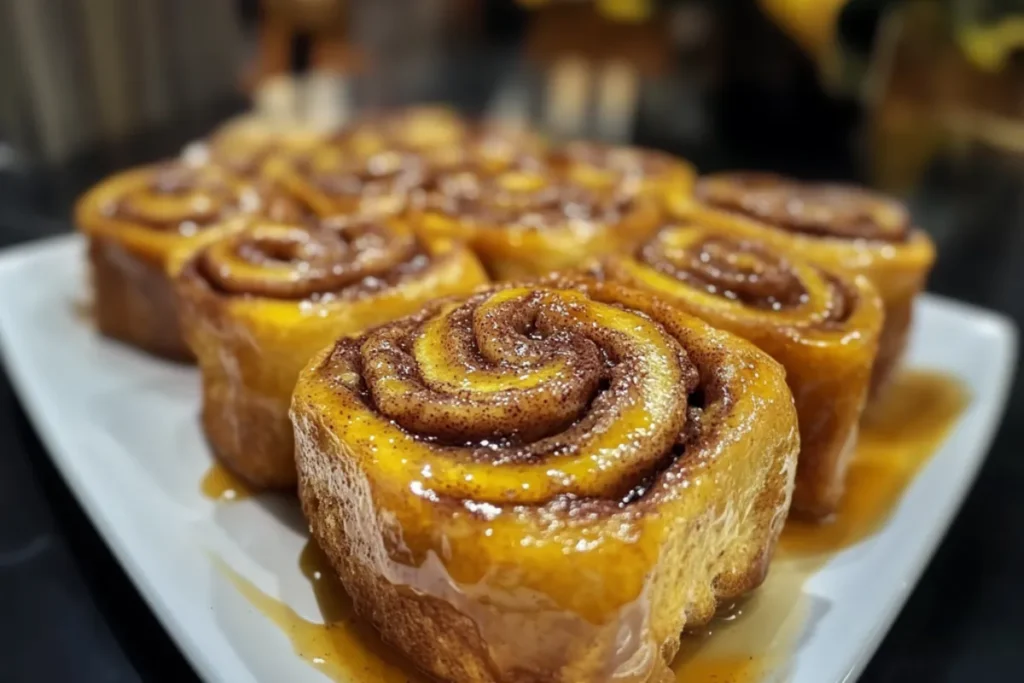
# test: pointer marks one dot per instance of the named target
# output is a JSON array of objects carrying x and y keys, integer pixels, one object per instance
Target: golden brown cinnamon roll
[
  {"x": 488, "y": 150},
  {"x": 371, "y": 168},
  {"x": 135, "y": 222},
  {"x": 442, "y": 138},
  {"x": 420, "y": 128},
  {"x": 530, "y": 221},
  {"x": 259, "y": 302},
  {"x": 822, "y": 326},
  {"x": 243, "y": 146},
  {"x": 544, "y": 482},
  {"x": 330, "y": 181},
  {"x": 662, "y": 176},
  {"x": 837, "y": 226}
]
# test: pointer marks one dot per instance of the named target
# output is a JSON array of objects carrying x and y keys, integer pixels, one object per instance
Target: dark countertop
[{"x": 69, "y": 613}]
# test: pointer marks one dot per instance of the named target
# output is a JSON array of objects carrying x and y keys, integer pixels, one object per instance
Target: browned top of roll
[
  {"x": 735, "y": 269},
  {"x": 337, "y": 173},
  {"x": 746, "y": 271},
  {"x": 525, "y": 376},
  {"x": 818, "y": 209},
  {"x": 628, "y": 163},
  {"x": 329, "y": 260},
  {"x": 180, "y": 197},
  {"x": 533, "y": 197}
]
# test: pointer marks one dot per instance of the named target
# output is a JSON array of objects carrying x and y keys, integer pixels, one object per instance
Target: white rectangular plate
[{"x": 122, "y": 429}]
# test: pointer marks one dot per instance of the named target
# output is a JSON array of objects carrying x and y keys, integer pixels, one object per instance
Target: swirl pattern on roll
[
  {"x": 819, "y": 209},
  {"x": 744, "y": 271},
  {"x": 330, "y": 260},
  {"x": 823, "y": 326},
  {"x": 139, "y": 222},
  {"x": 567, "y": 396},
  {"x": 441, "y": 137},
  {"x": 531, "y": 197},
  {"x": 245, "y": 145},
  {"x": 332, "y": 181},
  {"x": 630, "y": 169},
  {"x": 176, "y": 197},
  {"x": 546, "y": 455},
  {"x": 265, "y": 296}
]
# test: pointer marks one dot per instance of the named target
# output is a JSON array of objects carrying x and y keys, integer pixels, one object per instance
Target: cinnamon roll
[
  {"x": 136, "y": 222},
  {"x": 419, "y": 128},
  {"x": 823, "y": 327},
  {"x": 530, "y": 221},
  {"x": 837, "y": 226},
  {"x": 332, "y": 181},
  {"x": 371, "y": 168},
  {"x": 544, "y": 482},
  {"x": 243, "y": 146},
  {"x": 259, "y": 302},
  {"x": 662, "y": 176}
]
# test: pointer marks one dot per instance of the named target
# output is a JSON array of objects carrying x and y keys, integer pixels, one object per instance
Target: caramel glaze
[
  {"x": 740, "y": 270},
  {"x": 633, "y": 169},
  {"x": 566, "y": 411},
  {"x": 820, "y": 325},
  {"x": 220, "y": 485},
  {"x": 379, "y": 174},
  {"x": 530, "y": 197},
  {"x": 898, "y": 436},
  {"x": 747, "y": 641},
  {"x": 440, "y": 138},
  {"x": 260, "y": 300},
  {"x": 322, "y": 261},
  {"x": 180, "y": 197},
  {"x": 819, "y": 209}
]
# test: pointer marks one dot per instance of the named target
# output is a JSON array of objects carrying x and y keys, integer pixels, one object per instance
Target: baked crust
[
  {"x": 528, "y": 222},
  {"x": 658, "y": 175},
  {"x": 138, "y": 222},
  {"x": 839, "y": 227},
  {"x": 545, "y": 482},
  {"x": 260, "y": 301},
  {"x": 374, "y": 166},
  {"x": 823, "y": 327}
]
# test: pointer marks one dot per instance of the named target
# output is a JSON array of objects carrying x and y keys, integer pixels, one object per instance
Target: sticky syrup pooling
[
  {"x": 565, "y": 419},
  {"x": 748, "y": 643}
]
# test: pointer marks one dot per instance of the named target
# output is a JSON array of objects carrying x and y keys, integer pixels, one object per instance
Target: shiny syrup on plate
[
  {"x": 749, "y": 642},
  {"x": 219, "y": 484}
]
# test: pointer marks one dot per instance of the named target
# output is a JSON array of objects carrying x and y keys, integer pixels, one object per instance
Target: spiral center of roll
[
  {"x": 734, "y": 269},
  {"x": 339, "y": 173},
  {"x": 525, "y": 198},
  {"x": 181, "y": 197},
  {"x": 564, "y": 394},
  {"x": 284, "y": 261}
]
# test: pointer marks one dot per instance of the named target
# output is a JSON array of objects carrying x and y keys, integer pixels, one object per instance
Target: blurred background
[
  {"x": 920, "y": 98},
  {"x": 886, "y": 91}
]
